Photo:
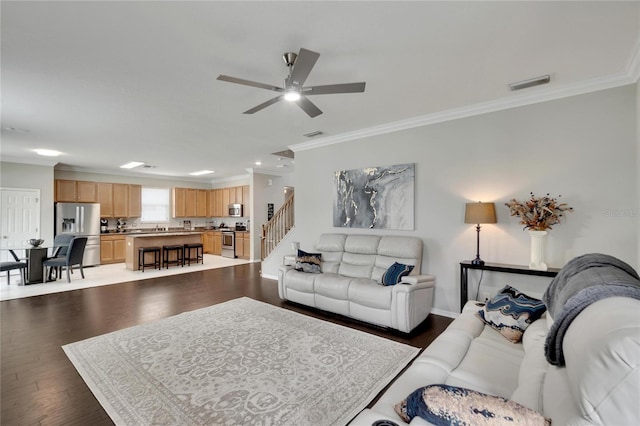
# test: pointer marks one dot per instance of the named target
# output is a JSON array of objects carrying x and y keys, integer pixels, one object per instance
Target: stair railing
[{"x": 275, "y": 229}]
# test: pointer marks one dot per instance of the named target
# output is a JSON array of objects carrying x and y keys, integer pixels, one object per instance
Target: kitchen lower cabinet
[
  {"x": 207, "y": 242},
  {"x": 112, "y": 249},
  {"x": 217, "y": 243}
]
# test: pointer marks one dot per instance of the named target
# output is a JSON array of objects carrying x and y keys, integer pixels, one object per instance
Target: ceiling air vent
[{"x": 312, "y": 134}]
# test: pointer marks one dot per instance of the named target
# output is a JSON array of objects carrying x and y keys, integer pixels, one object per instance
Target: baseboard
[
  {"x": 269, "y": 277},
  {"x": 445, "y": 313}
]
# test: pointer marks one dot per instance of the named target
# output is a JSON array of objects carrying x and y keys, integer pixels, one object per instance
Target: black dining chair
[
  {"x": 10, "y": 266},
  {"x": 60, "y": 246},
  {"x": 74, "y": 255}
]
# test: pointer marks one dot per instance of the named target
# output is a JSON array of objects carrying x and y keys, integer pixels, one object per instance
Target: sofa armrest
[{"x": 430, "y": 280}]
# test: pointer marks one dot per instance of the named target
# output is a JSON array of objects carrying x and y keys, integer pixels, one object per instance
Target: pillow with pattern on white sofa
[{"x": 351, "y": 280}]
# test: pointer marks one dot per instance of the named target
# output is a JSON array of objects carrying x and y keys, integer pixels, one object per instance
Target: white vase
[{"x": 538, "y": 240}]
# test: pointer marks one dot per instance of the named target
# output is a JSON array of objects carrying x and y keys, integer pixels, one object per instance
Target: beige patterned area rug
[{"x": 241, "y": 362}]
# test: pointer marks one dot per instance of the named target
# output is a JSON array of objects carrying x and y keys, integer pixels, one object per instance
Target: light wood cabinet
[
  {"x": 112, "y": 249},
  {"x": 239, "y": 245},
  {"x": 225, "y": 201},
  {"x": 243, "y": 245},
  {"x": 105, "y": 198},
  {"x": 217, "y": 243},
  {"x": 191, "y": 198},
  {"x": 207, "y": 242},
  {"x": 201, "y": 203},
  {"x": 120, "y": 200},
  {"x": 71, "y": 191},
  {"x": 221, "y": 210},
  {"x": 87, "y": 192},
  {"x": 135, "y": 200},
  {"x": 66, "y": 191},
  {"x": 190, "y": 202},
  {"x": 179, "y": 199},
  {"x": 246, "y": 200}
]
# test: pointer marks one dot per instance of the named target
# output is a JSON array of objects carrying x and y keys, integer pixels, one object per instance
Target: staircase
[{"x": 275, "y": 230}]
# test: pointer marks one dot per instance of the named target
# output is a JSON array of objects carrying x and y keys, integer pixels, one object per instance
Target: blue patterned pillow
[
  {"x": 308, "y": 262},
  {"x": 450, "y": 405},
  {"x": 394, "y": 274},
  {"x": 510, "y": 312}
]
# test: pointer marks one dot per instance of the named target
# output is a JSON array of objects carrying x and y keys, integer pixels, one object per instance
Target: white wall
[
  {"x": 25, "y": 176},
  {"x": 583, "y": 148}
]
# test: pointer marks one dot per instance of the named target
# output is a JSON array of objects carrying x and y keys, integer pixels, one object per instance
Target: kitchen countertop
[{"x": 159, "y": 234}]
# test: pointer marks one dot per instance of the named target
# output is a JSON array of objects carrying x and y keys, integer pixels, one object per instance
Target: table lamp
[{"x": 479, "y": 213}]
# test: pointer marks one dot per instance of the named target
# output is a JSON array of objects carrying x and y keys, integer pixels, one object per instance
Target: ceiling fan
[{"x": 300, "y": 66}]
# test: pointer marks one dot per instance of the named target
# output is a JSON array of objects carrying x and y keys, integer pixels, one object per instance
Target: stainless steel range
[{"x": 228, "y": 243}]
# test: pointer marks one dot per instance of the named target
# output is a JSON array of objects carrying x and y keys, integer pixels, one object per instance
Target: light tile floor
[{"x": 103, "y": 275}]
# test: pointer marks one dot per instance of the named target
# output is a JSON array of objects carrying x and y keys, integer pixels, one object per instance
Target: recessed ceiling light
[
  {"x": 201, "y": 172},
  {"x": 47, "y": 152},
  {"x": 258, "y": 163},
  {"x": 132, "y": 164}
]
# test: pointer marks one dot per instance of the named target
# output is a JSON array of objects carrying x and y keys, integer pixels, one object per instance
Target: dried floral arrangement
[{"x": 538, "y": 213}]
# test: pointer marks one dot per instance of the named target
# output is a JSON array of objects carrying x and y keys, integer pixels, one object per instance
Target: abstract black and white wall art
[{"x": 375, "y": 197}]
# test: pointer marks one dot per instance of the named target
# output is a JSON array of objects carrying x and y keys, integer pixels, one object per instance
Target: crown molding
[{"x": 517, "y": 100}]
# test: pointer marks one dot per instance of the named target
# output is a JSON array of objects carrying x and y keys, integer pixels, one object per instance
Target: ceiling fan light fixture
[{"x": 291, "y": 95}]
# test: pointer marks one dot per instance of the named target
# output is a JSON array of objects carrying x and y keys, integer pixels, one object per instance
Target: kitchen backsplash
[{"x": 135, "y": 223}]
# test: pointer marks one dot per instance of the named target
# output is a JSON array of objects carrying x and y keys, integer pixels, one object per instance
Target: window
[{"x": 155, "y": 205}]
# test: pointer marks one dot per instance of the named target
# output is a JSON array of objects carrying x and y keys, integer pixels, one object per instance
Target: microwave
[{"x": 235, "y": 210}]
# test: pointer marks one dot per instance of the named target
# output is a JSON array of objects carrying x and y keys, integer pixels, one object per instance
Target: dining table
[{"x": 34, "y": 256}]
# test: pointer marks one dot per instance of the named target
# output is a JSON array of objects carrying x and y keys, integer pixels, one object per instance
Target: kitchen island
[{"x": 134, "y": 241}]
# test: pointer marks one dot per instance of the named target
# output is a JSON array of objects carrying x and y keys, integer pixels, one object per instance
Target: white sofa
[
  {"x": 350, "y": 282},
  {"x": 599, "y": 385}
]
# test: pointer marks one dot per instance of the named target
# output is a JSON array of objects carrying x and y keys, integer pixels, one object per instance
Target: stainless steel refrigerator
[{"x": 81, "y": 219}]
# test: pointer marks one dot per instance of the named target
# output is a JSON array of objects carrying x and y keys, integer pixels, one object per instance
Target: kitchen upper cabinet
[
  {"x": 120, "y": 200},
  {"x": 221, "y": 210},
  {"x": 189, "y": 202},
  {"x": 235, "y": 195},
  {"x": 201, "y": 203},
  {"x": 105, "y": 198},
  {"x": 179, "y": 199},
  {"x": 225, "y": 201},
  {"x": 135, "y": 201},
  {"x": 87, "y": 192},
  {"x": 191, "y": 208},
  {"x": 71, "y": 191},
  {"x": 246, "y": 200}
]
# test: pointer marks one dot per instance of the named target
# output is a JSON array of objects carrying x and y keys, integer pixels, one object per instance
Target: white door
[{"x": 20, "y": 217}]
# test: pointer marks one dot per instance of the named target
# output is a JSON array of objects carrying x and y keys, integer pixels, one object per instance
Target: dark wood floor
[{"x": 39, "y": 384}]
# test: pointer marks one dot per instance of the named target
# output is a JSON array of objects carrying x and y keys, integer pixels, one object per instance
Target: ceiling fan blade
[
  {"x": 308, "y": 107},
  {"x": 302, "y": 66},
  {"x": 263, "y": 105},
  {"x": 334, "y": 88},
  {"x": 230, "y": 79}
]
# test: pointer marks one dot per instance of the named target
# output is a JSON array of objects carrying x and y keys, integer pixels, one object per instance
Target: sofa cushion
[
  {"x": 331, "y": 246},
  {"x": 363, "y": 244},
  {"x": 332, "y": 285},
  {"x": 444, "y": 405},
  {"x": 366, "y": 292},
  {"x": 533, "y": 368},
  {"x": 510, "y": 312},
  {"x": 394, "y": 274},
  {"x": 356, "y": 265},
  {"x": 308, "y": 262},
  {"x": 301, "y": 281}
]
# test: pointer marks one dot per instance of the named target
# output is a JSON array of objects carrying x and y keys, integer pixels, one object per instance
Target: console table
[{"x": 496, "y": 267}]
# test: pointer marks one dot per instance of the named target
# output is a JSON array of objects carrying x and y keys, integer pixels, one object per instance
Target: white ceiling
[{"x": 110, "y": 82}]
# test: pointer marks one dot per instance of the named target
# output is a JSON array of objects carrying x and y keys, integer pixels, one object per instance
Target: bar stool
[
  {"x": 187, "y": 253},
  {"x": 166, "y": 255},
  {"x": 142, "y": 251}
]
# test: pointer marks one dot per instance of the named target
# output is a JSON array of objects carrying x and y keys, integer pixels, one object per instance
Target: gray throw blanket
[{"x": 581, "y": 282}]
